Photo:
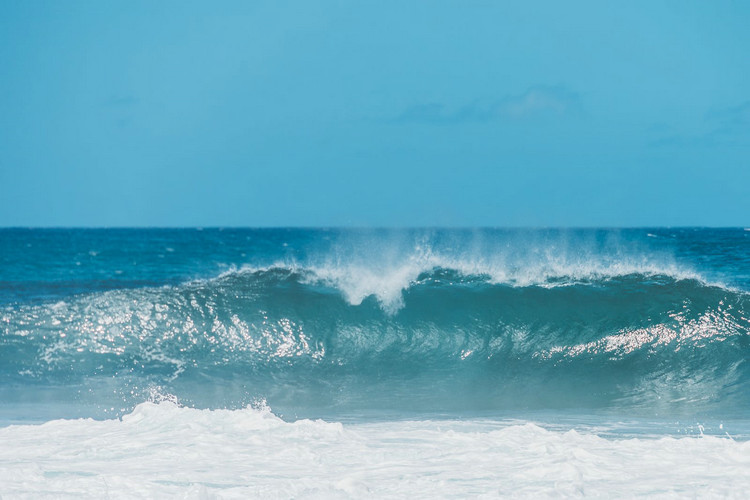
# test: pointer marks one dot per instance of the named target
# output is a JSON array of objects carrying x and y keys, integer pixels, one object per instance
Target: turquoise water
[{"x": 370, "y": 324}]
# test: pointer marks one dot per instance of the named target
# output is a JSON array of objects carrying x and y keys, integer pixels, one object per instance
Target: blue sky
[{"x": 379, "y": 113}]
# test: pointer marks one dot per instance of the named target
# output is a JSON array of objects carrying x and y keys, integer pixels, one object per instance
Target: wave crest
[{"x": 387, "y": 282}]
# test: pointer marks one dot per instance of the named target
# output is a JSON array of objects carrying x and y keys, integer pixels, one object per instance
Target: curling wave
[{"x": 427, "y": 335}]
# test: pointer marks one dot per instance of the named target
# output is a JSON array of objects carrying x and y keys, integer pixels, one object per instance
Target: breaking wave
[{"x": 428, "y": 334}]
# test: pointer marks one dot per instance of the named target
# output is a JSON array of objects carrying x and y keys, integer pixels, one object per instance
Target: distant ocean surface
[{"x": 344, "y": 363}]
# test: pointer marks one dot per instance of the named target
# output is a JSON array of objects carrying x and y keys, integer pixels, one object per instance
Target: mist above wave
[{"x": 387, "y": 279}]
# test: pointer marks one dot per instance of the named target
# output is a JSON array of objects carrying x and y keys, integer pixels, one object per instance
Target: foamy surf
[{"x": 167, "y": 451}]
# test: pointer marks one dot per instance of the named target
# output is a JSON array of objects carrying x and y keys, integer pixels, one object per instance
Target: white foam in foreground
[{"x": 164, "y": 451}]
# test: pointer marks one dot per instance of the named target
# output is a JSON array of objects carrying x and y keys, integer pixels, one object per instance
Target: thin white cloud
[
  {"x": 539, "y": 100},
  {"x": 535, "y": 101}
]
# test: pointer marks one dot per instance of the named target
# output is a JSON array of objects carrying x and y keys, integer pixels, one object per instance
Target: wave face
[{"x": 347, "y": 322}]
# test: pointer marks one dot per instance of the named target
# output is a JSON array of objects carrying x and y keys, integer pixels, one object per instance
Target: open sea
[{"x": 345, "y": 363}]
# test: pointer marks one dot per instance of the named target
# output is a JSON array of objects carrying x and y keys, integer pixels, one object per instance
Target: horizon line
[{"x": 364, "y": 227}]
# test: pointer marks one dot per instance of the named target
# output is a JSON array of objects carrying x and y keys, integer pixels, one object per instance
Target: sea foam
[{"x": 164, "y": 450}]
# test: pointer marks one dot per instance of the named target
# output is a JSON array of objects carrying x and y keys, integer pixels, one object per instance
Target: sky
[{"x": 374, "y": 113}]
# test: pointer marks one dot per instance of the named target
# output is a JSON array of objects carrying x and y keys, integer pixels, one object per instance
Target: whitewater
[
  {"x": 345, "y": 363},
  {"x": 162, "y": 450}
]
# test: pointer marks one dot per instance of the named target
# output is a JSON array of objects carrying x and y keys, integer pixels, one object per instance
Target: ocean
[{"x": 374, "y": 363}]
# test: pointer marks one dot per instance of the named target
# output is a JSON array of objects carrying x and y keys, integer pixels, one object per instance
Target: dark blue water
[{"x": 646, "y": 322}]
